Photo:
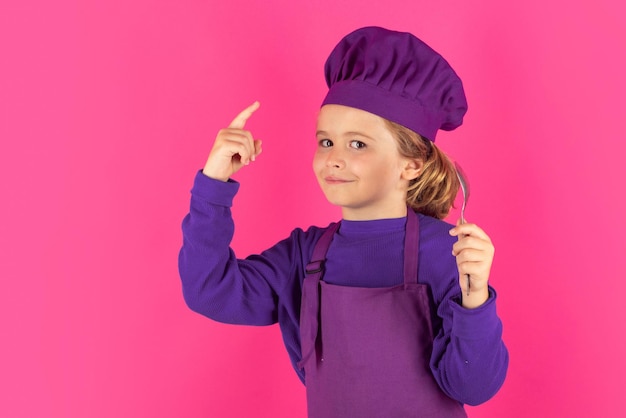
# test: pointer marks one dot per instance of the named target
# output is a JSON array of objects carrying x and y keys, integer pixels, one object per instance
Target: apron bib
[{"x": 366, "y": 351}]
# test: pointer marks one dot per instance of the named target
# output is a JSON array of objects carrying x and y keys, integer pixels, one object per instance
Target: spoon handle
[
  {"x": 467, "y": 276},
  {"x": 465, "y": 189}
]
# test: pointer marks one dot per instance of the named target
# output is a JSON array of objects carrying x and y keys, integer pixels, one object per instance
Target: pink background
[{"x": 108, "y": 108}]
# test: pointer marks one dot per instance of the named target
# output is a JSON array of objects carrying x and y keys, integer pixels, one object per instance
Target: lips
[{"x": 335, "y": 180}]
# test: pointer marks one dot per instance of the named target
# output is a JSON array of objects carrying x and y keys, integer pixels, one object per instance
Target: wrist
[
  {"x": 216, "y": 176},
  {"x": 475, "y": 299}
]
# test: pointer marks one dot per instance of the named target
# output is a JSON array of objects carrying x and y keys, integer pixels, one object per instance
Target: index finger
[
  {"x": 240, "y": 120},
  {"x": 469, "y": 229}
]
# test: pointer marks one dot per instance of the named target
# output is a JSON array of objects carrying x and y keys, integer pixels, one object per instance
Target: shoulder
[
  {"x": 435, "y": 244},
  {"x": 435, "y": 229},
  {"x": 308, "y": 237},
  {"x": 299, "y": 244},
  {"x": 437, "y": 265}
]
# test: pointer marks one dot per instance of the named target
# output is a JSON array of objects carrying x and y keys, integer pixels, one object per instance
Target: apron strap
[
  {"x": 318, "y": 258},
  {"x": 411, "y": 247},
  {"x": 309, "y": 311}
]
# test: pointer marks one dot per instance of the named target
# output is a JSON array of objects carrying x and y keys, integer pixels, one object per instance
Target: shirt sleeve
[
  {"x": 215, "y": 283},
  {"x": 469, "y": 358}
]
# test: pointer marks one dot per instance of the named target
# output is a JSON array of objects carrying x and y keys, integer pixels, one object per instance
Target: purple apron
[{"x": 366, "y": 351}]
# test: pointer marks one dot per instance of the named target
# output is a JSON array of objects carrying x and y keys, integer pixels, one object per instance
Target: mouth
[{"x": 335, "y": 180}]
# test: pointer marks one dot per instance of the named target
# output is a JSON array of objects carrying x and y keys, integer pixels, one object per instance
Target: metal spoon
[{"x": 466, "y": 193}]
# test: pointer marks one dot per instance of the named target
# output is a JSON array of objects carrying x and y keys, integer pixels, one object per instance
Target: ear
[{"x": 412, "y": 169}]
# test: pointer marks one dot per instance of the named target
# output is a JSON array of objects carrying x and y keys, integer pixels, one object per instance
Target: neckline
[{"x": 374, "y": 225}]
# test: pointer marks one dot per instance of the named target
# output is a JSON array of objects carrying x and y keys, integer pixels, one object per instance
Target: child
[{"x": 373, "y": 313}]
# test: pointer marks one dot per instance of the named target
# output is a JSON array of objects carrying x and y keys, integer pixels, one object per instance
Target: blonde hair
[{"x": 434, "y": 191}]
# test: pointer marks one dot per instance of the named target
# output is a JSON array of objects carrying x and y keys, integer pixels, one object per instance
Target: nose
[{"x": 335, "y": 158}]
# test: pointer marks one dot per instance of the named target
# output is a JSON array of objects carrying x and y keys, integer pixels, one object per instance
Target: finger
[
  {"x": 471, "y": 230},
  {"x": 240, "y": 120},
  {"x": 237, "y": 151},
  {"x": 257, "y": 148},
  {"x": 473, "y": 255},
  {"x": 239, "y": 138},
  {"x": 470, "y": 244},
  {"x": 249, "y": 151},
  {"x": 472, "y": 241},
  {"x": 478, "y": 272},
  {"x": 476, "y": 259}
]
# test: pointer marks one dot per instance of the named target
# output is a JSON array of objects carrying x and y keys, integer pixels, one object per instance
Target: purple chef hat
[{"x": 398, "y": 77}]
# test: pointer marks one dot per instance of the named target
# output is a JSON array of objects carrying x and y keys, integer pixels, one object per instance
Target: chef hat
[{"x": 397, "y": 77}]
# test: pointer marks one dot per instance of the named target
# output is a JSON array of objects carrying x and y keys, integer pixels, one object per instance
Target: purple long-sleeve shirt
[{"x": 469, "y": 359}]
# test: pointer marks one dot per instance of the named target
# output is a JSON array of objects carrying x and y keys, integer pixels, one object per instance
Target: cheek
[
  {"x": 318, "y": 161},
  {"x": 383, "y": 170},
  {"x": 369, "y": 165}
]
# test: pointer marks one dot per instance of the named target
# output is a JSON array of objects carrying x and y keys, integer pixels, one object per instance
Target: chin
[{"x": 334, "y": 202}]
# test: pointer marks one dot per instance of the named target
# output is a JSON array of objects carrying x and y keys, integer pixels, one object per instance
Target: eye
[
  {"x": 357, "y": 144},
  {"x": 325, "y": 143}
]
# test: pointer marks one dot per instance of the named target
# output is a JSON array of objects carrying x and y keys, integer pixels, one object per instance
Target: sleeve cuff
[
  {"x": 214, "y": 191},
  {"x": 476, "y": 323}
]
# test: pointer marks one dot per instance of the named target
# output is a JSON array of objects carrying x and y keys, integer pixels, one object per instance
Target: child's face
[{"x": 358, "y": 165}]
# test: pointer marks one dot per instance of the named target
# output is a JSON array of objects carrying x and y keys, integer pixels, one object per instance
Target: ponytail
[{"x": 434, "y": 191}]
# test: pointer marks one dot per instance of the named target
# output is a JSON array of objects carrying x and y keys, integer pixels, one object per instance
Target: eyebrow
[{"x": 350, "y": 133}]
